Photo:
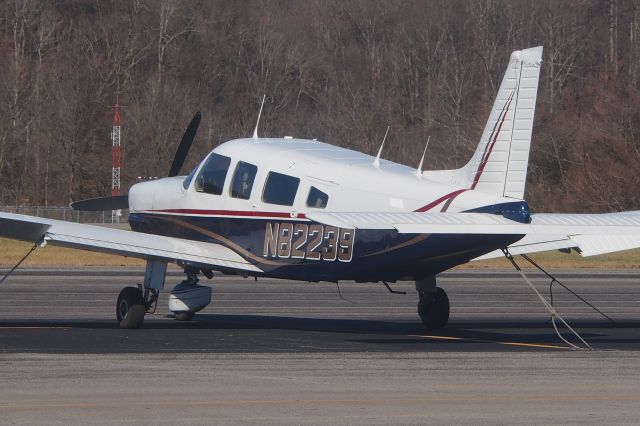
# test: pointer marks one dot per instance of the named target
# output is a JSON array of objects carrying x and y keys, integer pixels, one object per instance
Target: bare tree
[{"x": 339, "y": 70}]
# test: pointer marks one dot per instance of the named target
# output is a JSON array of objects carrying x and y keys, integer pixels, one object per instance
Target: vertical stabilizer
[{"x": 499, "y": 165}]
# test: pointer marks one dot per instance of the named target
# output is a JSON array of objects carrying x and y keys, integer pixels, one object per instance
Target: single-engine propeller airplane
[{"x": 306, "y": 210}]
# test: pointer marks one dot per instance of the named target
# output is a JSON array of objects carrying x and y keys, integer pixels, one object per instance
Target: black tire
[
  {"x": 184, "y": 316},
  {"x": 130, "y": 308},
  {"x": 433, "y": 309}
]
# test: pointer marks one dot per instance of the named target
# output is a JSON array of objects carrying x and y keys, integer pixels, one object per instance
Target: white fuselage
[{"x": 349, "y": 178}]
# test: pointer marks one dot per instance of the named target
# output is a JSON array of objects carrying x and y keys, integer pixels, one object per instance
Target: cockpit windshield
[
  {"x": 187, "y": 181},
  {"x": 214, "y": 172}
]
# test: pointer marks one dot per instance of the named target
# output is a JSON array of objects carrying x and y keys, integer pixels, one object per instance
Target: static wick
[{"x": 376, "y": 162}]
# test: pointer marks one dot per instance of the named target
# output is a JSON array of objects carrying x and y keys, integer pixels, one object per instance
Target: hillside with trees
[{"x": 340, "y": 71}]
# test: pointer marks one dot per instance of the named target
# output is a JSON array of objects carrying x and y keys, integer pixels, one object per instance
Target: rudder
[{"x": 499, "y": 164}]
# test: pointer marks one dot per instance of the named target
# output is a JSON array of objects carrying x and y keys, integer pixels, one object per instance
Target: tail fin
[{"x": 499, "y": 165}]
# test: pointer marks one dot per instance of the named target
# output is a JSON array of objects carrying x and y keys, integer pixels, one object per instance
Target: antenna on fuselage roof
[
  {"x": 419, "y": 170},
  {"x": 255, "y": 131},
  {"x": 376, "y": 162}
]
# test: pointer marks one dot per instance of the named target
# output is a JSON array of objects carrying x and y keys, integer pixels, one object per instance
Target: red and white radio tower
[{"x": 116, "y": 160}]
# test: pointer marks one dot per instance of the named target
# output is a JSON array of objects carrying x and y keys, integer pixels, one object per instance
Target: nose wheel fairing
[{"x": 188, "y": 297}]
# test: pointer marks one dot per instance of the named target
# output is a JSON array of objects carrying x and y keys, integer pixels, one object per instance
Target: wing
[
  {"x": 607, "y": 233},
  {"x": 590, "y": 234},
  {"x": 121, "y": 242}
]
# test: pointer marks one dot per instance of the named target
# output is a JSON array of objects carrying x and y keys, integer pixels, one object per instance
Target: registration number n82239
[{"x": 286, "y": 240}]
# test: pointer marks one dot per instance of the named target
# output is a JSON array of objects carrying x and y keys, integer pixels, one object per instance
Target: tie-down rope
[{"x": 550, "y": 308}]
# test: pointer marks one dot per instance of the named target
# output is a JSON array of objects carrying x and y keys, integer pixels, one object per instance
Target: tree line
[{"x": 339, "y": 71}]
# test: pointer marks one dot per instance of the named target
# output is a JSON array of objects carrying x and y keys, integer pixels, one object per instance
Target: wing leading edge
[{"x": 121, "y": 242}]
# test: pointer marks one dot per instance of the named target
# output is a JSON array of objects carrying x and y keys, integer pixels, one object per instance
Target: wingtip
[{"x": 532, "y": 55}]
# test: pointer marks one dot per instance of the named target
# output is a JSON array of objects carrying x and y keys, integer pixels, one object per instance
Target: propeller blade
[
  {"x": 120, "y": 202},
  {"x": 185, "y": 145},
  {"x": 117, "y": 202}
]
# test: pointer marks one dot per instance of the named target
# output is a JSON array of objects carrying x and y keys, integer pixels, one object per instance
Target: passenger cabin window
[
  {"x": 211, "y": 178},
  {"x": 243, "y": 179},
  {"x": 317, "y": 199},
  {"x": 280, "y": 189}
]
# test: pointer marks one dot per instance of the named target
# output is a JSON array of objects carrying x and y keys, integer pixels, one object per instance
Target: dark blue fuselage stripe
[{"x": 377, "y": 254}]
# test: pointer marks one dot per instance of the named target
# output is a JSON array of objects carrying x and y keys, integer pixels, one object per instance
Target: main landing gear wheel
[
  {"x": 130, "y": 308},
  {"x": 433, "y": 309}
]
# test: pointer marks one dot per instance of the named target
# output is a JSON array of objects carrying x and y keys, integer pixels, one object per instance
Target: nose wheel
[
  {"x": 130, "y": 308},
  {"x": 433, "y": 308}
]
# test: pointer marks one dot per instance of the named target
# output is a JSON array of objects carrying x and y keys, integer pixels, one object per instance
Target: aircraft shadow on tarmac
[
  {"x": 459, "y": 332},
  {"x": 392, "y": 334}
]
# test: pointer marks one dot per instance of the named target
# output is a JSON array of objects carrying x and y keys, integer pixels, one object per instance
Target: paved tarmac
[{"x": 276, "y": 352}]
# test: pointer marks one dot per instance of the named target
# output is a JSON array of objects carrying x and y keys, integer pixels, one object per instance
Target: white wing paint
[
  {"x": 484, "y": 223},
  {"x": 534, "y": 244},
  {"x": 591, "y": 234}
]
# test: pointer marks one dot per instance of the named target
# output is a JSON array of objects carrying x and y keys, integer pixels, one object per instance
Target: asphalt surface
[
  {"x": 277, "y": 352},
  {"x": 74, "y": 311}
]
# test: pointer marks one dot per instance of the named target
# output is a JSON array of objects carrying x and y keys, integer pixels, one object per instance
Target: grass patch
[
  {"x": 629, "y": 259},
  {"x": 11, "y": 251}
]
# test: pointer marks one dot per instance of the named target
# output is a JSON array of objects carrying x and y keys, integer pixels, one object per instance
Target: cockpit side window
[
  {"x": 280, "y": 189},
  {"x": 213, "y": 174},
  {"x": 243, "y": 178},
  {"x": 317, "y": 199}
]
